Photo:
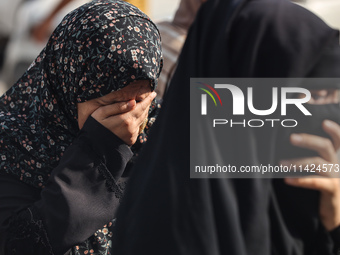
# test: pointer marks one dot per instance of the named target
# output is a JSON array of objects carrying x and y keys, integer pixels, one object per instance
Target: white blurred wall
[
  {"x": 162, "y": 9},
  {"x": 328, "y": 10},
  {"x": 8, "y": 9}
]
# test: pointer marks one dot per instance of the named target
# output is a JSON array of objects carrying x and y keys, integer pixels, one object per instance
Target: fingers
[
  {"x": 142, "y": 108},
  {"x": 305, "y": 162},
  {"x": 313, "y": 165},
  {"x": 326, "y": 164},
  {"x": 114, "y": 109},
  {"x": 320, "y": 184},
  {"x": 124, "y": 119},
  {"x": 321, "y": 145},
  {"x": 137, "y": 90},
  {"x": 333, "y": 130},
  {"x": 325, "y": 147}
]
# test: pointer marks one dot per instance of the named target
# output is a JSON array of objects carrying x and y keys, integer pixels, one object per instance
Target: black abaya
[{"x": 166, "y": 212}]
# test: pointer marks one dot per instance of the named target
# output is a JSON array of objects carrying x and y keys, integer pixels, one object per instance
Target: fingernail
[
  {"x": 329, "y": 124},
  {"x": 131, "y": 103},
  {"x": 295, "y": 138},
  {"x": 154, "y": 94}
]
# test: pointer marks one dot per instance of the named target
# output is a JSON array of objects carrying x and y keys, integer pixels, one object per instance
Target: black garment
[
  {"x": 80, "y": 197},
  {"x": 335, "y": 233},
  {"x": 163, "y": 210}
]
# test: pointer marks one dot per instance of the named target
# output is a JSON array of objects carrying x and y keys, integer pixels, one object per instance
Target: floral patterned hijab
[{"x": 98, "y": 48}]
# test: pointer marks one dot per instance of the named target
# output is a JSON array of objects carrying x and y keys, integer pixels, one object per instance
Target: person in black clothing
[
  {"x": 173, "y": 214},
  {"x": 69, "y": 128}
]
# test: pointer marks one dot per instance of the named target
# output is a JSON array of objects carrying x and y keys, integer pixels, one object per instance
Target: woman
[
  {"x": 178, "y": 215},
  {"x": 67, "y": 126}
]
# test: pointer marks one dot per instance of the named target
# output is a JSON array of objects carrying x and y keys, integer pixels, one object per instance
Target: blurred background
[{"x": 26, "y": 24}]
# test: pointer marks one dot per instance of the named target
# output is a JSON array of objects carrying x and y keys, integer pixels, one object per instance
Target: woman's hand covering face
[
  {"x": 124, "y": 118},
  {"x": 122, "y": 112}
]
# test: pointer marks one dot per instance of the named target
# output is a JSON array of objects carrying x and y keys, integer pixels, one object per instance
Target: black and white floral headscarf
[{"x": 98, "y": 48}]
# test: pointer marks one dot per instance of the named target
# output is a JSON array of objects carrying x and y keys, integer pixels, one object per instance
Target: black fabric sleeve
[
  {"x": 80, "y": 197},
  {"x": 335, "y": 234}
]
